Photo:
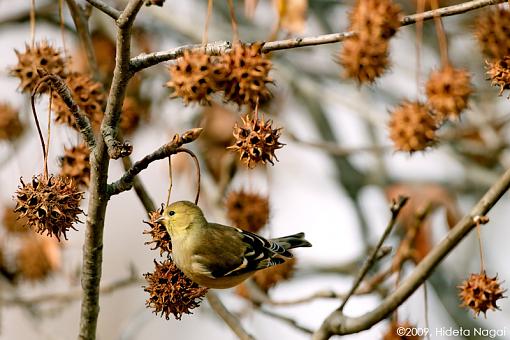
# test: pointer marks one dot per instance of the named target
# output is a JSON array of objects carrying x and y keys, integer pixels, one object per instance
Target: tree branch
[
  {"x": 229, "y": 318},
  {"x": 126, "y": 181},
  {"x": 395, "y": 208},
  {"x": 143, "y": 195},
  {"x": 105, "y": 8},
  {"x": 147, "y": 60},
  {"x": 339, "y": 324},
  {"x": 106, "y": 147},
  {"x": 82, "y": 27},
  {"x": 82, "y": 121}
]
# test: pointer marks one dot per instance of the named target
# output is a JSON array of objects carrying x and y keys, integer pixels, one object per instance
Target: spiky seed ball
[
  {"x": 244, "y": 75},
  {"x": 132, "y": 115},
  {"x": 393, "y": 333},
  {"x": 249, "y": 211},
  {"x": 493, "y": 33},
  {"x": 42, "y": 56},
  {"x": 51, "y": 205},
  {"x": 256, "y": 141},
  {"x": 499, "y": 73},
  {"x": 375, "y": 19},
  {"x": 11, "y": 126},
  {"x": 268, "y": 278},
  {"x": 192, "y": 79},
  {"x": 448, "y": 90},
  {"x": 171, "y": 292},
  {"x": 12, "y": 222},
  {"x": 160, "y": 239},
  {"x": 37, "y": 258},
  {"x": 87, "y": 94},
  {"x": 480, "y": 293},
  {"x": 75, "y": 165},
  {"x": 412, "y": 127},
  {"x": 363, "y": 59}
]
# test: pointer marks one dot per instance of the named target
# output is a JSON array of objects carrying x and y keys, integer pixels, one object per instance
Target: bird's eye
[{"x": 171, "y": 213}]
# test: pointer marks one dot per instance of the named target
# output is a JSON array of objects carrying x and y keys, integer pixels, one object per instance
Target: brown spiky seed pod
[
  {"x": 375, "y": 18},
  {"x": 51, "y": 205},
  {"x": 364, "y": 56},
  {"x": 480, "y": 293},
  {"x": 75, "y": 164},
  {"x": 448, "y": 90},
  {"x": 171, "y": 292},
  {"x": 492, "y": 32},
  {"x": 256, "y": 141},
  {"x": 412, "y": 127},
  {"x": 499, "y": 73},
  {"x": 11, "y": 126},
  {"x": 40, "y": 56},
  {"x": 244, "y": 75},
  {"x": 87, "y": 94},
  {"x": 268, "y": 278},
  {"x": 37, "y": 259},
  {"x": 192, "y": 78},
  {"x": 160, "y": 239},
  {"x": 249, "y": 211},
  {"x": 12, "y": 222},
  {"x": 394, "y": 330}
]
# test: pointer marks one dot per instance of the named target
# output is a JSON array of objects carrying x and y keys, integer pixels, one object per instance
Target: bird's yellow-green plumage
[{"x": 219, "y": 256}]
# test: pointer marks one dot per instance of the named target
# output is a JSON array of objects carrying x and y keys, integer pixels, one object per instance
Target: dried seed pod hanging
[
  {"x": 492, "y": 32},
  {"x": 75, "y": 164},
  {"x": 37, "y": 258},
  {"x": 243, "y": 74},
  {"x": 448, "y": 90},
  {"x": 88, "y": 95},
  {"x": 42, "y": 56},
  {"x": 364, "y": 56},
  {"x": 192, "y": 78},
  {"x": 51, "y": 205},
  {"x": 249, "y": 211},
  {"x": 171, "y": 292},
  {"x": 499, "y": 73},
  {"x": 11, "y": 126},
  {"x": 160, "y": 239},
  {"x": 412, "y": 127},
  {"x": 480, "y": 293},
  {"x": 256, "y": 141},
  {"x": 132, "y": 114}
]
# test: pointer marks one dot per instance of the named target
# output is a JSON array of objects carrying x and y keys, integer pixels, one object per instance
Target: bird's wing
[{"x": 244, "y": 252}]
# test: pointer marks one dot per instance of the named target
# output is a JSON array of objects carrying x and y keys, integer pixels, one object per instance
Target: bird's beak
[{"x": 160, "y": 220}]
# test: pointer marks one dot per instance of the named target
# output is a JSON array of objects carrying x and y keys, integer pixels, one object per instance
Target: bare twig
[
  {"x": 82, "y": 121},
  {"x": 338, "y": 324},
  {"x": 287, "y": 320},
  {"x": 173, "y": 147},
  {"x": 82, "y": 27},
  {"x": 140, "y": 191},
  {"x": 147, "y": 60},
  {"x": 229, "y": 318},
  {"x": 395, "y": 208},
  {"x": 105, "y": 8}
]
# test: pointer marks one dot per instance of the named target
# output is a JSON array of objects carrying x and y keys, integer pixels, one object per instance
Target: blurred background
[{"x": 333, "y": 179}]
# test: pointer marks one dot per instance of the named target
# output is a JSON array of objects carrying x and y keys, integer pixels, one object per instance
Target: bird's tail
[{"x": 293, "y": 241}]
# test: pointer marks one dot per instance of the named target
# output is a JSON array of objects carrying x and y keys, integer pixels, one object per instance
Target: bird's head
[{"x": 179, "y": 216}]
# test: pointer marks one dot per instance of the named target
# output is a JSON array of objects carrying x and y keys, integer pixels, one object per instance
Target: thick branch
[
  {"x": 126, "y": 181},
  {"x": 106, "y": 147},
  {"x": 82, "y": 121},
  {"x": 105, "y": 8},
  {"x": 337, "y": 323},
  {"x": 147, "y": 60},
  {"x": 230, "y": 320}
]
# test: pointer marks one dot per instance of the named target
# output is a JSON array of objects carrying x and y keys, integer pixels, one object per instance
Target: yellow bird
[{"x": 219, "y": 256}]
